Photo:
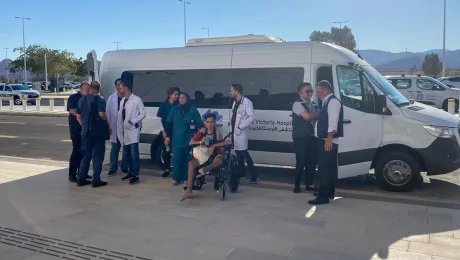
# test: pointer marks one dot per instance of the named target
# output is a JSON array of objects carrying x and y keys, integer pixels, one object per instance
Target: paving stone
[
  {"x": 185, "y": 255},
  {"x": 39, "y": 256},
  {"x": 213, "y": 249},
  {"x": 442, "y": 258},
  {"x": 445, "y": 241},
  {"x": 394, "y": 254},
  {"x": 443, "y": 234},
  {"x": 436, "y": 250},
  {"x": 8, "y": 252},
  {"x": 313, "y": 254},
  {"x": 418, "y": 238}
]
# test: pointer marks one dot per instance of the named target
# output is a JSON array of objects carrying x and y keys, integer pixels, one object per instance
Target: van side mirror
[{"x": 381, "y": 104}]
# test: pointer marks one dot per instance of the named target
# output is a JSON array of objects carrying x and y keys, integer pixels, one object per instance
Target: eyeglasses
[{"x": 309, "y": 91}]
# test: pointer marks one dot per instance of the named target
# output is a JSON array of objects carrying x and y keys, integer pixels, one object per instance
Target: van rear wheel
[{"x": 397, "y": 171}]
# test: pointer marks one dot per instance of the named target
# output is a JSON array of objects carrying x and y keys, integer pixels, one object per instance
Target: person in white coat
[
  {"x": 113, "y": 106},
  {"x": 242, "y": 117},
  {"x": 130, "y": 117}
]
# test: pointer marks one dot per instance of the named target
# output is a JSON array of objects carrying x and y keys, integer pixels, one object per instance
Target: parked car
[
  {"x": 453, "y": 81},
  {"x": 425, "y": 90},
  {"x": 6, "y": 92},
  {"x": 30, "y": 94}
]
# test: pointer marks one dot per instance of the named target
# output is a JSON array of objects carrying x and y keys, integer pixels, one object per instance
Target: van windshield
[{"x": 385, "y": 86}]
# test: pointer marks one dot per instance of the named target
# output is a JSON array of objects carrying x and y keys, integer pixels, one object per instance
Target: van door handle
[{"x": 347, "y": 121}]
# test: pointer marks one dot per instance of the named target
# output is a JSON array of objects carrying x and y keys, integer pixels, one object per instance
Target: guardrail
[{"x": 11, "y": 105}]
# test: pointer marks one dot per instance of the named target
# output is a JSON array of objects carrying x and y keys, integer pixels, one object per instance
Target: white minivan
[
  {"x": 382, "y": 129},
  {"x": 425, "y": 90}
]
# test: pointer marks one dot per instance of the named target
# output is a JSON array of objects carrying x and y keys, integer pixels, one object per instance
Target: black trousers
[
  {"x": 76, "y": 155},
  {"x": 327, "y": 169},
  {"x": 244, "y": 156},
  {"x": 306, "y": 154}
]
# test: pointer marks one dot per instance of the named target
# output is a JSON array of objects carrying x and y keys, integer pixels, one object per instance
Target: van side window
[
  {"x": 355, "y": 89},
  {"x": 427, "y": 84},
  {"x": 401, "y": 83},
  {"x": 268, "y": 88}
]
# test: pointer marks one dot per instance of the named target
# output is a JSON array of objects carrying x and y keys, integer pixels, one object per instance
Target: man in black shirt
[{"x": 75, "y": 131}]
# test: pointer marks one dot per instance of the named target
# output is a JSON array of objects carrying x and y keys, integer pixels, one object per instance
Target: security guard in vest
[
  {"x": 304, "y": 113},
  {"x": 329, "y": 129}
]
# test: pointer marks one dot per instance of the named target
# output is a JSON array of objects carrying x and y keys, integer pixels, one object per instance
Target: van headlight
[{"x": 440, "y": 131}]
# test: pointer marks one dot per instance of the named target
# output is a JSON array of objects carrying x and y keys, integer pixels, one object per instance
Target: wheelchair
[{"x": 225, "y": 176}]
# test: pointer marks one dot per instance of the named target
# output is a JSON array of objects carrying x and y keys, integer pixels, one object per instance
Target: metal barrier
[{"x": 37, "y": 104}]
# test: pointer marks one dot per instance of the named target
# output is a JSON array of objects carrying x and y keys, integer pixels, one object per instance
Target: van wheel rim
[
  {"x": 397, "y": 173},
  {"x": 17, "y": 102}
]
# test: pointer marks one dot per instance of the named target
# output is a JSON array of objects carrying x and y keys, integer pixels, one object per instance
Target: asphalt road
[{"x": 48, "y": 138}]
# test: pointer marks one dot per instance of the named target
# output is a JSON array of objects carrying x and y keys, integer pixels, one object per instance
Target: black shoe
[
  {"x": 81, "y": 183},
  {"x": 296, "y": 189},
  {"x": 134, "y": 180},
  {"x": 89, "y": 177},
  {"x": 73, "y": 178},
  {"x": 254, "y": 181},
  {"x": 243, "y": 177},
  {"x": 99, "y": 184},
  {"x": 332, "y": 196},
  {"x": 125, "y": 171},
  {"x": 127, "y": 177},
  {"x": 112, "y": 173},
  {"x": 310, "y": 188},
  {"x": 319, "y": 201},
  {"x": 165, "y": 174}
]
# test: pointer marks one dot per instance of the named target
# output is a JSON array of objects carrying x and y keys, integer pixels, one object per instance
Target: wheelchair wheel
[
  {"x": 234, "y": 180},
  {"x": 223, "y": 190},
  {"x": 198, "y": 183}
]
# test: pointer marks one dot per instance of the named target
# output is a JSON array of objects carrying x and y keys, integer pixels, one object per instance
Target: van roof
[{"x": 250, "y": 38}]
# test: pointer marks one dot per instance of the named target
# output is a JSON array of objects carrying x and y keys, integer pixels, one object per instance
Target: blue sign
[{"x": 219, "y": 118}]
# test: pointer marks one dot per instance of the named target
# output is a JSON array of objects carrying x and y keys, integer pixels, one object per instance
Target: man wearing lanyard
[
  {"x": 129, "y": 130},
  {"x": 242, "y": 118},
  {"x": 329, "y": 129},
  {"x": 113, "y": 106},
  {"x": 304, "y": 112}
]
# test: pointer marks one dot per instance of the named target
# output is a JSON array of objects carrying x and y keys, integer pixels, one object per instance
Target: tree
[
  {"x": 432, "y": 65},
  {"x": 340, "y": 36},
  {"x": 58, "y": 62},
  {"x": 81, "y": 69}
]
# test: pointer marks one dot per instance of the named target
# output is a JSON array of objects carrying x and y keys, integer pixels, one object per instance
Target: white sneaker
[{"x": 174, "y": 183}]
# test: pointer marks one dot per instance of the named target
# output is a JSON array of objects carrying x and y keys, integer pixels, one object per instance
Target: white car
[
  {"x": 425, "y": 90},
  {"x": 453, "y": 82},
  {"x": 24, "y": 92},
  {"x": 6, "y": 92}
]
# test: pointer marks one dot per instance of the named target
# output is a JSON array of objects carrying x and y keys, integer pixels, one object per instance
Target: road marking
[
  {"x": 310, "y": 212},
  {"x": 13, "y": 123},
  {"x": 67, "y": 141},
  {"x": 8, "y": 136},
  {"x": 62, "y": 125}
]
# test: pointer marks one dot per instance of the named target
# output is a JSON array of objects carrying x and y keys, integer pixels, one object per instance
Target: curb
[{"x": 37, "y": 114}]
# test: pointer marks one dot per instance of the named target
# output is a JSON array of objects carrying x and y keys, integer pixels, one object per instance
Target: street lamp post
[
  {"x": 341, "y": 22},
  {"x": 7, "y": 70},
  {"x": 117, "y": 44},
  {"x": 207, "y": 29},
  {"x": 444, "y": 44},
  {"x": 185, "y": 20},
  {"x": 24, "y": 46}
]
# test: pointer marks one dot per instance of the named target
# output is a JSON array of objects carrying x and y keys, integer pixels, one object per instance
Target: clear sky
[{"x": 82, "y": 25}]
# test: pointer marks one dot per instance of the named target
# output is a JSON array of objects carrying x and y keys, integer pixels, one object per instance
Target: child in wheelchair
[{"x": 207, "y": 153}]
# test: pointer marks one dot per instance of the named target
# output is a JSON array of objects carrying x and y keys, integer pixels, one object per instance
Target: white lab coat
[
  {"x": 244, "y": 117},
  {"x": 112, "y": 115},
  {"x": 135, "y": 112}
]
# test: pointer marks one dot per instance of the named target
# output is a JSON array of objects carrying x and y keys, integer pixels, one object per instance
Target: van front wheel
[{"x": 397, "y": 171}]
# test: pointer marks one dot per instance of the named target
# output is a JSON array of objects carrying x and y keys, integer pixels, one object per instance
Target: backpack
[{"x": 97, "y": 127}]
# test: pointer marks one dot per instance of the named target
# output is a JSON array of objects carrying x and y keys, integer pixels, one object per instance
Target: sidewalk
[
  {"x": 32, "y": 111},
  {"x": 42, "y": 216}
]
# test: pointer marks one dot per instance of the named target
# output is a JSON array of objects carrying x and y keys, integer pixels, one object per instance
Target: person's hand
[
  {"x": 203, "y": 140},
  {"x": 211, "y": 150},
  {"x": 167, "y": 141},
  {"x": 129, "y": 122},
  {"x": 164, "y": 136},
  {"x": 328, "y": 144}
]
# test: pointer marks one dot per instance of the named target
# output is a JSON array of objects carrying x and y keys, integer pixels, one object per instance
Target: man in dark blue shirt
[
  {"x": 90, "y": 113},
  {"x": 75, "y": 131}
]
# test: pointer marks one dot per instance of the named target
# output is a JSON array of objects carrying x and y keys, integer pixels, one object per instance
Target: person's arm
[
  {"x": 197, "y": 139},
  {"x": 141, "y": 108},
  {"x": 251, "y": 116},
  {"x": 333, "y": 111},
  {"x": 72, "y": 106},
  {"x": 198, "y": 121},
  {"x": 78, "y": 109},
  {"x": 101, "y": 109},
  {"x": 109, "y": 109},
  {"x": 298, "y": 109}
]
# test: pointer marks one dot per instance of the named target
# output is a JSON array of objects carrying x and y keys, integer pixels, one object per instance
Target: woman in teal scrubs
[{"x": 184, "y": 120}]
